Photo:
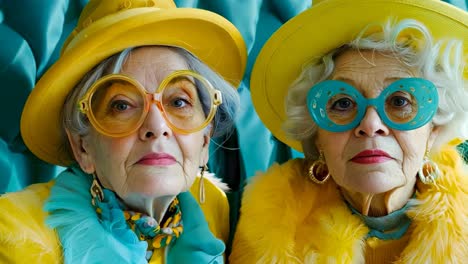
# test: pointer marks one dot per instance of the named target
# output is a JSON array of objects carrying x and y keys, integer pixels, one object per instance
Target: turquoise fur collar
[{"x": 86, "y": 239}]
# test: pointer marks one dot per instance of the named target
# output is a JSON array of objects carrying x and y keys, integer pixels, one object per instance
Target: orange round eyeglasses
[{"x": 117, "y": 105}]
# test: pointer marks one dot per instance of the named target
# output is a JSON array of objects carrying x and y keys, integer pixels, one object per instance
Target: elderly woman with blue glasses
[
  {"x": 129, "y": 108},
  {"x": 376, "y": 96}
]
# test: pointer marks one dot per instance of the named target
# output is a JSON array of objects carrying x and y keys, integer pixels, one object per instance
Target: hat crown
[
  {"x": 315, "y": 2},
  {"x": 98, "y": 9}
]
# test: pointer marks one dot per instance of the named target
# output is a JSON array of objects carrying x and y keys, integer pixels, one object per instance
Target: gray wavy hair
[
  {"x": 77, "y": 123},
  {"x": 440, "y": 62}
]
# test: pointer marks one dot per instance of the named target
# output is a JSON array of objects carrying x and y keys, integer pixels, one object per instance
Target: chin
[
  {"x": 154, "y": 193},
  {"x": 161, "y": 185},
  {"x": 369, "y": 188},
  {"x": 375, "y": 179},
  {"x": 375, "y": 183}
]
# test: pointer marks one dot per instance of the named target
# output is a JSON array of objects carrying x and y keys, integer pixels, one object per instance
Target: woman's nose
[
  {"x": 371, "y": 125},
  {"x": 155, "y": 125}
]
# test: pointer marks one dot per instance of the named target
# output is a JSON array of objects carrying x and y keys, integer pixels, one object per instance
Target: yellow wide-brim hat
[
  {"x": 328, "y": 25},
  {"x": 107, "y": 27}
]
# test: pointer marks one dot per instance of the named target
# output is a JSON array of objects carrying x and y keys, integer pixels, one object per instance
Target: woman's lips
[
  {"x": 370, "y": 156},
  {"x": 161, "y": 159}
]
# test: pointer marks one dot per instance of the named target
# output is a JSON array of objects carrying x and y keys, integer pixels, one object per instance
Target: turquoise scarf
[{"x": 86, "y": 239}]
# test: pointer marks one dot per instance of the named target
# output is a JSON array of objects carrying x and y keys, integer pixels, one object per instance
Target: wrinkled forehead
[
  {"x": 370, "y": 72},
  {"x": 151, "y": 65}
]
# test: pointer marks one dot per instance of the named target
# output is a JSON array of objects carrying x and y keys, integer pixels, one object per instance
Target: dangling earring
[
  {"x": 429, "y": 171},
  {"x": 201, "y": 184},
  {"x": 318, "y": 171},
  {"x": 96, "y": 191}
]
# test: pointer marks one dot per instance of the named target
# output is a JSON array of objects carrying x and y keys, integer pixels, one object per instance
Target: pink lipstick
[
  {"x": 371, "y": 156},
  {"x": 158, "y": 159}
]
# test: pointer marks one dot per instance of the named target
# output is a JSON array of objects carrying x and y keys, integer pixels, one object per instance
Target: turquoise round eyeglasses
[{"x": 405, "y": 104}]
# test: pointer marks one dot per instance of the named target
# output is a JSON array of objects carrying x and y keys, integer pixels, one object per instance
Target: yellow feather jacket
[
  {"x": 286, "y": 218},
  {"x": 25, "y": 238}
]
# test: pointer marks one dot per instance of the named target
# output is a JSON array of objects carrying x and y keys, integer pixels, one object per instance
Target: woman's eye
[
  {"x": 399, "y": 101},
  {"x": 120, "y": 105},
  {"x": 179, "y": 103},
  {"x": 342, "y": 104}
]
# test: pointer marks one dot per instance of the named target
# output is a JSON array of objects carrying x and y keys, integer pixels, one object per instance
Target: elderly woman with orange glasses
[{"x": 129, "y": 108}]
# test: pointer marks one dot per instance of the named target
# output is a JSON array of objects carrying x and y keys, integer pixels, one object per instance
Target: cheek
[
  {"x": 413, "y": 142},
  {"x": 413, "y": 145},
  {"x": 333, "y": 146},
  {"x": 191, "y": 147},
  {"x": 110, "y": 157},
  {"x": 109, "y": 150}
]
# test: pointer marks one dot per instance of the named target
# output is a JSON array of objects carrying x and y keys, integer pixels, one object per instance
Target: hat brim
[
  {"x": 210, "y": 37},
  {"x": 327, "y": 26}
]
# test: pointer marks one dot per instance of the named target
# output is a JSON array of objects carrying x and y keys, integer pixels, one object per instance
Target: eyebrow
[
  {"x": 173, "y": 80},
  {"x": 343, "y": 79},
  {"x": 386, "y": 82},
  {"x": 389, "y": 79},
  {"x": 184, "y": 78}
]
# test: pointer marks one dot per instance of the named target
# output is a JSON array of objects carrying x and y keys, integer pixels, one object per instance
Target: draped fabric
[{"x": 31, "y": 35}]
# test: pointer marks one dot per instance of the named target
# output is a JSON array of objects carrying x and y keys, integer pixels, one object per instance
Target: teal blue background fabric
[{"x": 31, "y": 35}]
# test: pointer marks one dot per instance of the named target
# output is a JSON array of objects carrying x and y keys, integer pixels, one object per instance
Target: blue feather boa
[
  {"x": 84, "y": 238},
  {"x": 87, "y": 239}
]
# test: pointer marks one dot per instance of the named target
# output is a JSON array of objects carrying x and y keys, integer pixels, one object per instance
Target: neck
[
  {"x": 379, "y": 204},
  {"x": 154, "y": 207}
]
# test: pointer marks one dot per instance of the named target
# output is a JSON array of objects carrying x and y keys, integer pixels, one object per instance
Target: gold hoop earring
[
  {"x": 429, "y": 171},
  {"x": 318, "y": 170},
  {"x": 201, "y": 184},
  {"x": 96, "y": 191}
]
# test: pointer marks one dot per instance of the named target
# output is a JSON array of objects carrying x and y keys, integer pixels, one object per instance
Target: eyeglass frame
[
  {"x": 84, "y": 104},
  {"x": 321, "y": 92}
]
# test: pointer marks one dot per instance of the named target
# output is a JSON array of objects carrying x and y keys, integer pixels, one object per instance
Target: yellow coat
[
  {"x": 24, "y": 237},
  {"x": 286, "y": 218}
]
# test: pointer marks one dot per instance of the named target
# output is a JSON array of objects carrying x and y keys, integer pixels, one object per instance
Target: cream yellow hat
[
  {"x": 328, "y": 25},
  {"x": 107, "y": 27}
]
